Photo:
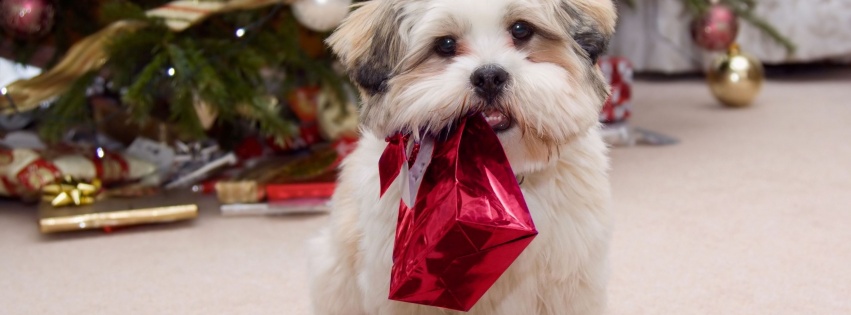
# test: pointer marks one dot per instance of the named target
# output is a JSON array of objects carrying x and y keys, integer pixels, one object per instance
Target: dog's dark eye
[
  {"x": 521, "y": 31},
  {"x": 446, "y": 46}
]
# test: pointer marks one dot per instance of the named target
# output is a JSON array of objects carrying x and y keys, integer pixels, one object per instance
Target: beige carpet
[{"x": 750, "y": 214}]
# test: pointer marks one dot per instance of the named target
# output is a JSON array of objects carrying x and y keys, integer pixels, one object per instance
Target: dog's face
[{"x": 527, "y": 65}]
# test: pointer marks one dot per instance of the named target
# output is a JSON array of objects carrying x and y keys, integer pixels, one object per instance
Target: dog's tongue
[{"x": 496, "y": 119}]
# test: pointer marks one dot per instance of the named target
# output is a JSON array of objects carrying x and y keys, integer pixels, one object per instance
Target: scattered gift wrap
[
  {"x": 281, "y": 186},
  {"x": 619, "y": 73},
  {"x": 195, "y": 161},
  {"x": 462, "y": 218}
]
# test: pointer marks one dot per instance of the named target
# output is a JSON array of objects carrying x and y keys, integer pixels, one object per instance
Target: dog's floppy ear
[
  {"x": 368, "y": 44},
  {"x": 592, "y": 23}
]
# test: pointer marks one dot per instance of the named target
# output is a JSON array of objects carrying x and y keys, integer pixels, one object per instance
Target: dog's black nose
[{"x": 489, "y": 81}]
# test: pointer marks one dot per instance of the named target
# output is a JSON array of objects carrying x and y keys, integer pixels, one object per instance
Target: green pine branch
[
  {"x": 697, "y": 7},
  {"x": 744, "y": 9},
  {"x": 210, "y": 64},
  {"x": 69, "y": 111}
]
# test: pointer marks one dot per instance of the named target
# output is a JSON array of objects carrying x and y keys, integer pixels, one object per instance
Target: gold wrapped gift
[
  {"x": 232, "y": 192},
  {"x": 117, "y": 212}
]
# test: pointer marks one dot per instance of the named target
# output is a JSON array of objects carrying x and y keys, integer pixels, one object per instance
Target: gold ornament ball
[{"x": 736, "y": 78}]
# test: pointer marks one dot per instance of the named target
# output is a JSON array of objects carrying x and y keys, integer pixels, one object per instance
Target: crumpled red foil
[{"x": 468, "y": 223}]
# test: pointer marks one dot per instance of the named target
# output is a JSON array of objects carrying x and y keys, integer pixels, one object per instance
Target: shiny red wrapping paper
[{"x": 468, "y": 223}]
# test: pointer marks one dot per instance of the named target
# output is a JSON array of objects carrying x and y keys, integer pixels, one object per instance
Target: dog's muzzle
[{"x": 489, "y": 81}]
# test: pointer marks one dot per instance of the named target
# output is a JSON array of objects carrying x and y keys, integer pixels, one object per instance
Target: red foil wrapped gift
[
  {"x": 618, "y": 72},
  {"x": 462, "y": 219}
]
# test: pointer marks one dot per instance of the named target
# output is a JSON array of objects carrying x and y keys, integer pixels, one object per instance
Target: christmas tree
[{"x": 191, "y": 64}]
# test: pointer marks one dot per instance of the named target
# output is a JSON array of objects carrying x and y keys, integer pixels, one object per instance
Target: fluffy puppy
[{"x": 529, "y": 66}]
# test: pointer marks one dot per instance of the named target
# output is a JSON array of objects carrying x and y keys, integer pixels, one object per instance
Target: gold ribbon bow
[{"x": 71, "y": 192}]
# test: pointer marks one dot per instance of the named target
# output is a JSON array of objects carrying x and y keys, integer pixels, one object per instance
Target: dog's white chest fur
[{"x": 563, "y": 271}]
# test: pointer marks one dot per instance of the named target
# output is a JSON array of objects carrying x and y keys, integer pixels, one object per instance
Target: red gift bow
[{"x": 468, "y": 223}]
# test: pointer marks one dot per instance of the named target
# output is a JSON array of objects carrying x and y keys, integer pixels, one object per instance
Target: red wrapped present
[
  {"x": 279, "y": 192},
  {"x": 462, "y": 219},
  {"x": 618, "y": 72},
  {"x": 25, "y": 172}
]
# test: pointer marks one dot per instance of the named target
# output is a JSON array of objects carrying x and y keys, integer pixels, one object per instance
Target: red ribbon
[
  {"x": 38, "y": 174},
  {"x": 390, "y": 164},
  {"x": 101, "y": 172}
]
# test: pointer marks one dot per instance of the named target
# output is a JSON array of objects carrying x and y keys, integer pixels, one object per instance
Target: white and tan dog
[{"x": 529, "y": 66}]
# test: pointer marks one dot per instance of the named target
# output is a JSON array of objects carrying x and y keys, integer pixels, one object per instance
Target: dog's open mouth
[{"x": 497, "y": 120}]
